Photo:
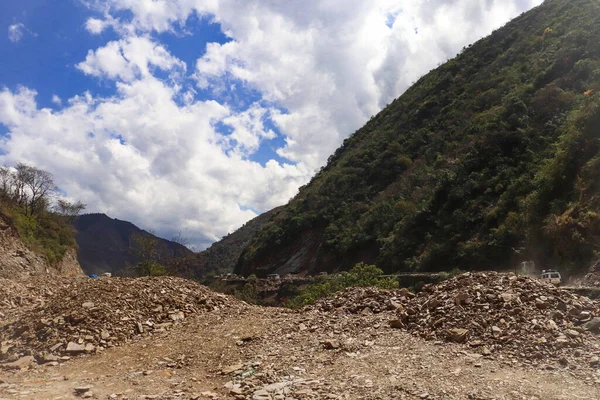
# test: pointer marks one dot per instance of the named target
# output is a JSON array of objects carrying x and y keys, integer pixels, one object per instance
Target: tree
[
  {"x": 35, "y": 186},
  {"x": 6, "y": 183},
  {"x": 68, "y": 209},
  {"x": 145, "y": 249}
]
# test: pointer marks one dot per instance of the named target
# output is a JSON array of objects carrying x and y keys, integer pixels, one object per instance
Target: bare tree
[
  {"x": 20, "y": 176},
  {"x": 68, "y": 209},
  {"x": 35, "y": 186},
  {"x": 6, "y": 182}
]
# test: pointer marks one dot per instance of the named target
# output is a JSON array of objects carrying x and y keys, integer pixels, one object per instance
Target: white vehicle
[{"x": 551, "y": 276}]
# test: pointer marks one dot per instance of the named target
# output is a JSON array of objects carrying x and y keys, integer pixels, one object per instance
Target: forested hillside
[{"x": 492, "y": 154}]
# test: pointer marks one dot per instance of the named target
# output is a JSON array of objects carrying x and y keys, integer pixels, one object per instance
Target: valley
[{"x": 407, "y": 266}]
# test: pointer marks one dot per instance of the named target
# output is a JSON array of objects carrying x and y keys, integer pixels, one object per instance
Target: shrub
[{"x": 361, "y": 275}]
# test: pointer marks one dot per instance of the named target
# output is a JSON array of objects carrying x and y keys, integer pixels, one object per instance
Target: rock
[
  {"x": 564, "y": 361},
  {"x": 261, "y": 395},
  {"x": 81, "y": 390},
  {"x": 47, "y": 357},
  {"x": 75, "y": 348},
  {"x": 4, "y": 348},
  {"x": 20, "y": 364},
  {"x": 458, "y": 335},
  {"x": 397, "y": 324},
  {"x": 496, "y": 331},
  {"x": 572, "y": 333},
  {"x": 592, "y": 325},
  {"x": 594, "y": 361},
  {"x": 331, "y": 344},
  {"x": 232, "y": 368},
  {"x": 177, "y": 316},
  {"x": 540, "y": 303},
  {"x": 462, "y": 299}
]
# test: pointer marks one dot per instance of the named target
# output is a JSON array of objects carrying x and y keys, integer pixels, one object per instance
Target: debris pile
[
  {"x": 519, "y": 317},
  {"x": 363, "y": 300},
  {"x": 89, "y": 315}
]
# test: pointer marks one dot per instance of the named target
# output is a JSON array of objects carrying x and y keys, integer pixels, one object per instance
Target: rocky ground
[{"x": 360, "y": 344}]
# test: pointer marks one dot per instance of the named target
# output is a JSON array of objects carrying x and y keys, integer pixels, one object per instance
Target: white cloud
[
  {"x": 153, "y": 154},
  {"x": 168, "y": 168},
  {"x": 56, "y": 100},
  {"x": 130, "y": 58},
  {"x": 95, "y": 26},
  {"x": 333, "y": 66},
  {"x": 16, "y": 32},
  {"x": 248, "y": 129}
]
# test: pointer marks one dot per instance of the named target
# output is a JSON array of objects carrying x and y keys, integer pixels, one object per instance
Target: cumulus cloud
[
  {"x": 157, "y": 155},
  {"x": 128, "y": 59},
  {"x": 142, "y": 156},
  {"x": 16, "y": 32},
  {"x": 333, "y": 66},
  {"x": 95, "y": 25}
]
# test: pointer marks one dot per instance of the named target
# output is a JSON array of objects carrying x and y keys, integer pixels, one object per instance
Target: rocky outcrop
[
  {"x": 68, "y": 265},
  {"x": 18, "y": 261}
]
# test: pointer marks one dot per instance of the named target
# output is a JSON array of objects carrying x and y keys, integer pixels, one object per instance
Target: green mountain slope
[{"x": 494, "y": 150}]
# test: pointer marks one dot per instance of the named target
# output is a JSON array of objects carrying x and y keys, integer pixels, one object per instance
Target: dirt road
[{"x": 295, "y": 356}]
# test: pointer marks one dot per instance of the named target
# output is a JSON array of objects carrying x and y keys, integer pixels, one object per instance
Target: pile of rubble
[
  {"x": 88, "y": 315},
  {"x": 21, "y": 294},
  {"x": 363, "y": 300},
  {"x": 515, "y": 316},
  {"x": 10, "y": 294}
]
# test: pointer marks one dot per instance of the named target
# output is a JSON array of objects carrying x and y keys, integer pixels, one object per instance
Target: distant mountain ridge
[
  {"x": 104, "y": 244},
  {"x": 497, "y": 149}
]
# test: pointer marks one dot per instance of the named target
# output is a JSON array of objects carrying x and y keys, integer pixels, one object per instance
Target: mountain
[
  {"x": 104, "y": 244},
  {"x": 221, "y": 257},
  {"x": 487, "y": 160}
]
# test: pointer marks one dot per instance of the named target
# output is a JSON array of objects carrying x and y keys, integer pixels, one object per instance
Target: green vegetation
[
  {"x": 147, "y": 251},
  {"x": 496, "y": 149},
  {"x": 361, "y": 275},
  {"x": 249, "y": 293},
  {"x": 26, "y": 194}
]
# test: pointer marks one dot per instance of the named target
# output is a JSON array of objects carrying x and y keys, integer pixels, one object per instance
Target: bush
[
  {"x": 249, "y": 294},
  {"x": 361, "y": 275}
]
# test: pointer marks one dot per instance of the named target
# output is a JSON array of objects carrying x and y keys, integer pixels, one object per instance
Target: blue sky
[
  {"x": 54, "y": 39},
  {"x": 196, "y": 116}
]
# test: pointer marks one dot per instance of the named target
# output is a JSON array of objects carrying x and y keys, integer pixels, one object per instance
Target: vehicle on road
[{"x": 551, "y": 276}]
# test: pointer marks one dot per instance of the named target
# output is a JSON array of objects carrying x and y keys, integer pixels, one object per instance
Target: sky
[{"x": 194, "y": 116}]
